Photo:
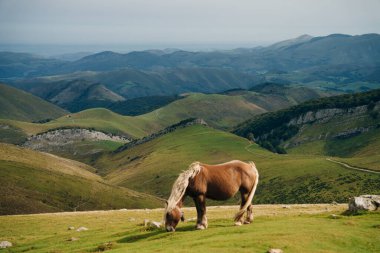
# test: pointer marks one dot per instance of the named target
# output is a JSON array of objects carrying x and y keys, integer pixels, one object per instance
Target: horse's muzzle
[{"x": 170, "y": 229}]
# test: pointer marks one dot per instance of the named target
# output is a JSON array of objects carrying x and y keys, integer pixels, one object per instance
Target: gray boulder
[{"x": 364, "y": 202}]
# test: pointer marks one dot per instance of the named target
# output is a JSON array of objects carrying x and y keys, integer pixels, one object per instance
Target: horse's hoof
[
  {"x": 200, "y": 227},
  {"x": 238, "y": 223},
  {"x": 247, "y": 222}
]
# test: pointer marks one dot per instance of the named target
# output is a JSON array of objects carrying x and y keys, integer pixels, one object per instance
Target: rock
[
  {"x": 70, "y": 228},
  {"x": 334, "y": 216},
  {"x": 364, "y": 202},
  {"x": 275, "y": 251},
  {"x": 82, "y": 229},
  {"x": 5, "y": 244},
  {"x": 153, "y": 224},
  {"x": 72, "y": 239}
]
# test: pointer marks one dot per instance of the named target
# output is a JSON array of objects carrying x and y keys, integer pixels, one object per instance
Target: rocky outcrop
[
  {"x": 364, "y": 202},
  {"x": 324, "y": 115},
  {"x": 61, "y": 137}
]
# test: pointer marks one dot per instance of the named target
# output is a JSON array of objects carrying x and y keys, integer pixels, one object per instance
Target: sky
[{"x": 172, "y": 23}]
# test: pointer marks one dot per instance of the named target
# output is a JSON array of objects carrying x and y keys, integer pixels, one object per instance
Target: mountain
[
  {"x": 134, "y": 83},
  {"x": 34, "y": 182},
  {"x": 73, "y": 95},
  {"x": 153, "y": 166},
  {"x": 142, "y": 105},
  {"x": 20, "y": 105},
  {"x": 346, "y": 59},
  {"x": 344, "y": 126},
  {"x": 218, "y": 110},
  {"x": 291, "y": 42},
  {"x": 23, "y": 64}
]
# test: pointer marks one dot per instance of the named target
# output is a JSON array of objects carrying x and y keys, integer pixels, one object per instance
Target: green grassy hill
[
  {"x": 152, "y": 167},
  {"x": 19, "y": 105},
  {"x": 34, "y": 182},
  {"x": 218, "y": 110}
]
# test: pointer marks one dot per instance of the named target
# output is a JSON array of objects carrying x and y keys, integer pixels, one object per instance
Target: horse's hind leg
[
  {"x": 200, "y": 204},
  {"x": 249, "y": 217},
  {"x": 240, "y": 219}
]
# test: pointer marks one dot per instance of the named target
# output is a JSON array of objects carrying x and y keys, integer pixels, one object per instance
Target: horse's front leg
[{"x": 200, "y": 204}]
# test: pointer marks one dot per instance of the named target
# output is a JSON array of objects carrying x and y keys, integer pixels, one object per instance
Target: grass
[
  {"x": 301, "y": 228},
  {"x": 33, "y": 182},
  {"x": 362, "y": 150},
  {"x": 220, "y": 111},
  {"x": 19, "y": 105},
  {"x": 153, "y": 167}
]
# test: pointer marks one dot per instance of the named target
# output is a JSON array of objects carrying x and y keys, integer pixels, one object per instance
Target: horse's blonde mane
[{"x": 180, "y": 185}]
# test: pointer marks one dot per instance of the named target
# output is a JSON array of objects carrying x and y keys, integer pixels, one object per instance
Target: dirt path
[{"x": 351, "y": 167}]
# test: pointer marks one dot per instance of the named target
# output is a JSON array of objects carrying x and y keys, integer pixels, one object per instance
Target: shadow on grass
[
  {"x": 155, "y": 234},
  {"x": 355, "y": 213}
]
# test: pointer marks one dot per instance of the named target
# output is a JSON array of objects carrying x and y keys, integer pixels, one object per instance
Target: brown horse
[{"x": 217, "y": 182}]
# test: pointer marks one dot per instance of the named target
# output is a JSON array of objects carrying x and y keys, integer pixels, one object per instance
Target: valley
[{"x": 119, "y": 128}]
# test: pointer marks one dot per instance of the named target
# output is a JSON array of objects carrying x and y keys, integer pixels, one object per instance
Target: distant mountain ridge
[{"x": 301, "y": 52}]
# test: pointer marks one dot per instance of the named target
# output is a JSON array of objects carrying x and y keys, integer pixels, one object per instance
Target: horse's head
[{"x": 172, "y": 219}]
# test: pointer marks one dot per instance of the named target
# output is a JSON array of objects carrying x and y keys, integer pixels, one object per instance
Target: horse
[{"x": 217, "y": 182}]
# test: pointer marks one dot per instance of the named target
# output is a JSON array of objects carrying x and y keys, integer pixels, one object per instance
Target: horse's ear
[
  {"x": 166, "y": 203},
  {"x": 182, "y": 217}
]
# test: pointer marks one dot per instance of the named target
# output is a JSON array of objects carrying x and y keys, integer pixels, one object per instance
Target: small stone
[
  {"x": 5, "y": 244},
  {"x": 72, "y": 239},
  {"x": 70, "y": 228},
  {"x": 286, "y": 207},
  {"x": 146, "y": 222},
  {"x": 82, "y": 229},
  {"x": 334, "y": 216},
  {"x": 275, "y": 251},
  {"x": 155, "y": 224}
]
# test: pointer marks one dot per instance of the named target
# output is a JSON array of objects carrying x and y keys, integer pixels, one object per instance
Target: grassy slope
[
  {"x": 221, "y": 111},
  {"x": 298, "y": 229},
  {"x": 20, "y": 105},
  {"x": 362, "y": 150},
  {"x": 153, "y": 167},
  {"x": 31, "y": 182}
]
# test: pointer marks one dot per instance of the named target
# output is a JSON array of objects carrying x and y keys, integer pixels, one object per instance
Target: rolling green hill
[
  {"x": 20, "y": 105},
  {"x": 34, "y": 182},
  {"x": 152, "y": 167},
  {"x": 218, "y": 110}
]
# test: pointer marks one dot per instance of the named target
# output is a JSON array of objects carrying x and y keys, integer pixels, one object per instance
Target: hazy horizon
[{"x": 57, "y": 27}]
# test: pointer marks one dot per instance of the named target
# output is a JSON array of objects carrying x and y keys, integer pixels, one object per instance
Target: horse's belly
[{"x": 222, "y": 192}]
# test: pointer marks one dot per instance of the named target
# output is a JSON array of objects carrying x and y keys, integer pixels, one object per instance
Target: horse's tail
[{"x": 251, "y": 194}]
